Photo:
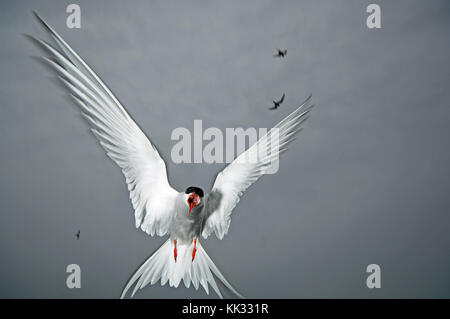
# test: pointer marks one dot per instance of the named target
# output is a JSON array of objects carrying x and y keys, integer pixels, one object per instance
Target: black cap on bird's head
[
  {"x": 196, "y": 190},
  {"x": 195, "y": 194}
]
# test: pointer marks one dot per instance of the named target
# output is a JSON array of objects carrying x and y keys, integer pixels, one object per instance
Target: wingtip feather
[{"x": 41, "y": 21}]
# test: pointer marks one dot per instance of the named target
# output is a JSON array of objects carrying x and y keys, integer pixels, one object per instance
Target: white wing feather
[
  {"x": 124, "y": 142},
  {"x": 231, "y": 183}
]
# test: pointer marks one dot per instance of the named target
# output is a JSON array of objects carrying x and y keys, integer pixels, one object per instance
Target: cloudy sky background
[{"x": 366, "y": 182}]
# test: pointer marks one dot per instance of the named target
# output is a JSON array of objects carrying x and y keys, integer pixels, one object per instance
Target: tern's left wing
[
  {"x": 124, "y": 142},
  {"x": 231, "y": 183}
]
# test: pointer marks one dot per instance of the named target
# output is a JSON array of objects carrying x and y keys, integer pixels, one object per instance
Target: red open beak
[{"x": 192, "y": 201}]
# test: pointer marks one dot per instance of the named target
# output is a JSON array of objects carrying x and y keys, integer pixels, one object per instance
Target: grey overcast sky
[{"x": 367, "y": 181}]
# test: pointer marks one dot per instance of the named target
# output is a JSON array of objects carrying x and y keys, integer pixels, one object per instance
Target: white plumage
[{"x": 159, "y": 209}]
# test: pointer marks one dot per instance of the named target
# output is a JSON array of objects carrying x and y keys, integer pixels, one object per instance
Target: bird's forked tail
[{"x": 161, "y": 266}]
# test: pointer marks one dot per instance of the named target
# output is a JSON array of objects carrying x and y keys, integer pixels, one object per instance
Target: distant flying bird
[
  {"x": 158, "y": 208},
  {"x": 277, "y": 104},
  {"x": 280, "y": 54},
  {"x": 78, "y": 234}
]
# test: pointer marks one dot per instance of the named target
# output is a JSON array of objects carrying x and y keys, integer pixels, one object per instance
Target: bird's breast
[{"x": 185, "y": 227}]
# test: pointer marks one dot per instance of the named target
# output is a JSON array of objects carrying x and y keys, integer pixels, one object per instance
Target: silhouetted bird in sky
[
  {"x": 78, "y": 234},
  {"x": 280, "y": 54},
  {"x": 276, "y": 104}
]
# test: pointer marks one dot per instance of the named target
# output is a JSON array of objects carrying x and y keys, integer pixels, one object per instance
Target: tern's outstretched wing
[
  {"x": 124, "y": 142},
  {"x": 231, "y": 183}
]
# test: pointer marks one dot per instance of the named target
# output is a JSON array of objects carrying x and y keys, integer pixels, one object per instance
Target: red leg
[
  {"x": 175, "y": 250},
  {"x": 195, "y": 249}
]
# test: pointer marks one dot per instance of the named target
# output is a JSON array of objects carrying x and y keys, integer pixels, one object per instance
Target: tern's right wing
[{"x": 124, "y": 142}]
